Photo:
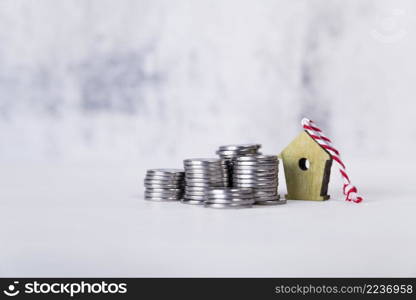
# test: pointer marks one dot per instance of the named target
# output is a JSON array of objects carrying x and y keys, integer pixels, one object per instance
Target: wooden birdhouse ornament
[{"x": 307, "y": 167}]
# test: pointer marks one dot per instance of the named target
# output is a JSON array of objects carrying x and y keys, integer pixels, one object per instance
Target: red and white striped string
[{"x": 316, "y": 133}]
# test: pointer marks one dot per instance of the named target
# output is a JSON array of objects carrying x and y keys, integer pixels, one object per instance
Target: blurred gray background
[
  {"x": 137, "y": 79},
  {"x": 92, "y": 93}
]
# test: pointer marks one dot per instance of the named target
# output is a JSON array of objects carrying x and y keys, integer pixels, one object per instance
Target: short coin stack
[
  {"x": 164, "y": 184},
  {"x": 229, "y": 198},
  {"x": 229, "y": 152},
  {"x": 201, "y": 174},
  {"x": 260, "y": 173}
]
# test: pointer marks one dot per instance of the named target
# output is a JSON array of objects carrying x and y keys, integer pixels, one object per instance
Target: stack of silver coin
[
  {"x": 230, "y": 152},
  {"x": 229, "y": 198},
  {"x": 260, "y": 173},
  {"x": 201, "y": 174},
  {"x": 164, "y": 184}
]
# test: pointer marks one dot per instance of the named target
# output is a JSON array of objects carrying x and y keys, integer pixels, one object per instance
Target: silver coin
[
  {"x": 169, "y": 175},
  {"x": 230, "y": 198},
  {"x": 161, "y": 199},
  {"x": 234, "y": 154},
  {"x": 161, "y": 186},
  {"x": 193, "y": 202},
  {"x": 197, "y": 188},
  {"x": 161, "y": 194},
  {"x": 257, "y": 158},
  {"x": 267, "y": 198},
  {"x": 196, "y": 193},
  {"x": 260, "y": 157},
  {"x": 203, "y": 162},
  {"x": 194, "y": 196},
  {"x": 257, "y": 186},
  {"x": 166, "y": 191},
  {"x": 206, "y": 174},
  {"x": 254, "y": 159},
  {"x": 237, "y": 151},
  {"x": 230, "y": 190},
  {"x": 160, "y": 178},
  {"x": 155, "y": 181},
  {"x": 255, "y": 178},
  {"x": 165, "y": 171},
  {"x": 201, "y": 165},
  {"x": 207, "y": 178},
  {"x": 217, "y": 177},
  {"x": 156, "y": 190},
  {"x": 230, "y": 195},
  {"x": 159, "y": 181},
  {"x": 256, "y": 167},
  {"x": 196, "y": 179},
  {"x": 254, "y": 173},
  {"x": 226, "y": 206},
  {"x": 239, "y": 147},
  {"x": 205, "y": 184},
  {"x": 255, "y": 163},
  {"x": 206, "y": 171},
  {"x": 276, "y": 202},
  {"x": 265, "y": 189},
  {"x": 177, "y": 179},
  {"x": 193, "y": 192},
  {"x": 200, "y": 194},
  {"x": 230, "y": 201},
  {"x": 266, "y": 195},
  {"x": 254, "y": 185},
  {"x": 191, "y": 198},
  {"x": 190, "y": 189},
  {"x": 218, "y": 194}
]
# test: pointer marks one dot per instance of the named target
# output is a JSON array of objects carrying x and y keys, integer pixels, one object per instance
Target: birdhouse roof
[{"x": 305, "y": 145}]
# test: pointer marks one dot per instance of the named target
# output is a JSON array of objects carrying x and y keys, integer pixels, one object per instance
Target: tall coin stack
[
  {"x": 164, "y": 184},
  {"x": 201, "y": 174},
  {"x": 229, "y": 198},
  {"x": 230, "y": 152},
  {"x": 260, "y": 173}
]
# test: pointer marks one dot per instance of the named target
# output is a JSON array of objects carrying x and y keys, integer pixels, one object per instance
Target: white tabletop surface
[{"x": 86, "y": 219}]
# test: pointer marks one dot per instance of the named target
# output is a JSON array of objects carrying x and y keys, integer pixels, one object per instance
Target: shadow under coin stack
[
  {"x": 230, "y": 152},
  {"x": 164, "y": 184},
  {"x": 261, "y": 174},
  {"x": 229, "y": 198},
  {"x": 202, "y": 174}
]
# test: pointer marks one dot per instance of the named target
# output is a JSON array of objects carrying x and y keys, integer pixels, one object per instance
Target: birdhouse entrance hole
[{"x": 304, "y": 164}]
